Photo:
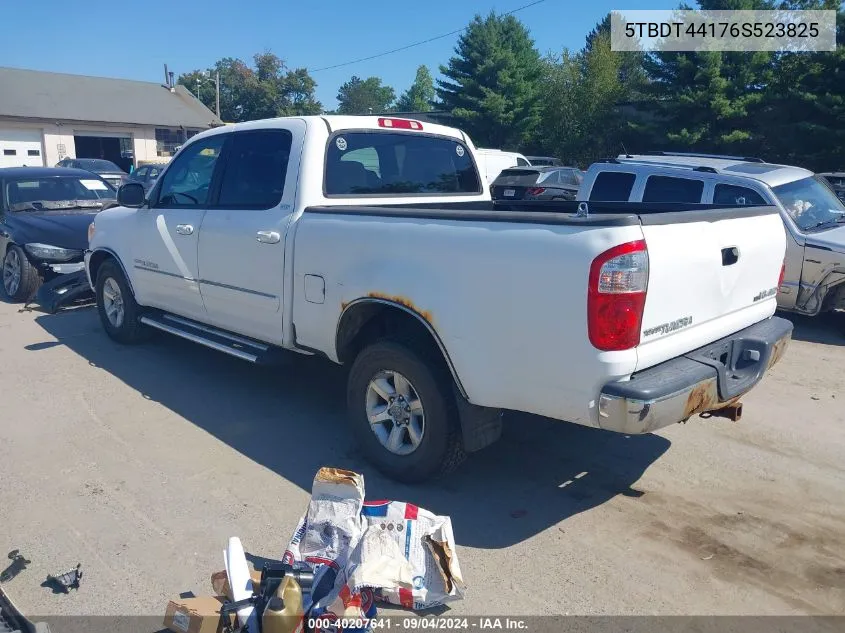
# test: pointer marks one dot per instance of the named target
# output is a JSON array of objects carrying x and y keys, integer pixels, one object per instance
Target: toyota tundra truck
[{"x": 373, "y": 242}]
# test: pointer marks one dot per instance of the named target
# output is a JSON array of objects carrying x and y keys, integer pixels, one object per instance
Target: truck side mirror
[{"x": 131, "y": 195}]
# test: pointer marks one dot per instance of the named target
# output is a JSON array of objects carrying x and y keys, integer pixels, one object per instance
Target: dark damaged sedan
[{"x": 44, "y": 218}]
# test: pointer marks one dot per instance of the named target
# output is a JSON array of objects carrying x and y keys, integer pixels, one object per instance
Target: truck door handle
[
  {"x": 730, "y": 256},
  {"x": 268, "y": 237},
  {"x": 184, "y": 229}
]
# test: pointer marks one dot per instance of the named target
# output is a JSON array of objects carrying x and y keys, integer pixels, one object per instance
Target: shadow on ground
[
  {"x": 827, "y": 328},
  {"x": 292, "y": 420}
]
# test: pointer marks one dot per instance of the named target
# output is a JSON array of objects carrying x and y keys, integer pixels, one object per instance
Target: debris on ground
[
  {"x": 62, "y": 291},
  {"x": 400, "y": 553},
  {"x": 345, "y": 556},
  {"x": 18, "y": 564},
  {"x": 67, "y": 580}
]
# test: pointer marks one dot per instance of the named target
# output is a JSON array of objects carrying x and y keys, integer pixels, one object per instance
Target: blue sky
[{"x": 133, "y": 40}]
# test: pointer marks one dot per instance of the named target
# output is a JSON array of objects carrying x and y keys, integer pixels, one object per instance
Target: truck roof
[
  {"x": 769, "y": 173},
  {"x": 354, "y": 122}
]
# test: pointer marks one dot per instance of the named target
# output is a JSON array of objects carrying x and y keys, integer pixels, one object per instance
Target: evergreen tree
[
  {"x": 491, "y": 85},
  {"x": 419, "y": 97}
]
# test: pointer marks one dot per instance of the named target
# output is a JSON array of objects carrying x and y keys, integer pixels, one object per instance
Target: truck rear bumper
[{"x": 710, "y": 378}]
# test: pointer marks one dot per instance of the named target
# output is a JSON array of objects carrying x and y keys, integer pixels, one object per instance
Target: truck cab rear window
[{"x": 390, "y": 163}]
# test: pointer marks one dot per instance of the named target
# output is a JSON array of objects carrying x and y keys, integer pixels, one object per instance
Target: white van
[{"x": 491, "y": 162}]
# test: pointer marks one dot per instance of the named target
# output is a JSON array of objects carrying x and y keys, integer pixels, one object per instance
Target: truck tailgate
[{"x": 711, "y": 273}]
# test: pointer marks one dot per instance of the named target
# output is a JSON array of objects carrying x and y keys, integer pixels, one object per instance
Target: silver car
[{"x": 814, "y": 273}]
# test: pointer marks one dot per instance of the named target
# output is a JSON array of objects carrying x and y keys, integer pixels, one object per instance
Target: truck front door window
[
  {"x": 187, "y": 182},
  {"x": 734, "y": 194}
]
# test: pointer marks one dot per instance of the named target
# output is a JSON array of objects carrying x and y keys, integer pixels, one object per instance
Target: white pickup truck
[{"x": 373, "y": 242}]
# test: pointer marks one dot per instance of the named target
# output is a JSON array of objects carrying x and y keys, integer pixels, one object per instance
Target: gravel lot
[{"x": 140, "y": 462}]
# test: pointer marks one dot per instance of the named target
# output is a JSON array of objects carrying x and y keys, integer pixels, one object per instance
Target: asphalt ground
[{"x": 140, "y": 463}]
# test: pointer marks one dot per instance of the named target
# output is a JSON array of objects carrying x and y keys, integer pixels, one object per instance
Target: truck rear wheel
[
  {"x": 119, "y": 313},
  {"x": 403, "y": 412}
]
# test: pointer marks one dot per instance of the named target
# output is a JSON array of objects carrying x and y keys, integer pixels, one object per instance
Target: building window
[
  {"x": 33, "y": 152},
  {"x": 168, "y": 140},
  {"x": 9, "y": 152}
]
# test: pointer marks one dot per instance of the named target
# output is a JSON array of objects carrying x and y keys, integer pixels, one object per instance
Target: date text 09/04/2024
[{"x": 428, "y": 624}]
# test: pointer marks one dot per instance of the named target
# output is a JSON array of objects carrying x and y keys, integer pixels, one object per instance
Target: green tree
[
  {"x": 362, "y": 96},
  {"x": 785, "y": 107},
  {"x": 706, "y": 101},
  {"x": 806, "y": 104},
  {"x": 419, "y": 97},
  {"x": 585, "y": 99},
  {"x": 491, "y": 85},
  {"x": 269, "y": 89}
]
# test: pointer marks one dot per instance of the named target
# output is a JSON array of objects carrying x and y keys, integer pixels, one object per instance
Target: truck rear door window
[
  {"x": 254, "y": 175},
  {"x": 392, "y": 163},
  {"x": 669, "y": 189},
  {"x": 612, "y": 186}
]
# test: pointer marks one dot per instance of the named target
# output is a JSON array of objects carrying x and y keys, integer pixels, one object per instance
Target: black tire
[
  {"x": 440, "y": 449},
  {"x": 30, "y": 279},
  {"x": 130, "y": 329}
]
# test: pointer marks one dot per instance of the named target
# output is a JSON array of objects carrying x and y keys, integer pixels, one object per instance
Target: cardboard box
[
  {"x": 193, "y": 615},
  {"x": 220, "y": 582}
]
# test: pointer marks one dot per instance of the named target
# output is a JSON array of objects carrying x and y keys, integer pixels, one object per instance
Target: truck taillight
[
  {"x": 616, "y": 296},
  {"x": 782, "y": 273}
]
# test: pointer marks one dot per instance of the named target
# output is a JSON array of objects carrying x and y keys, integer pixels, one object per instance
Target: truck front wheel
[
  {"x": 403, "y": 412},
  {"x": 119, "y": 313}
]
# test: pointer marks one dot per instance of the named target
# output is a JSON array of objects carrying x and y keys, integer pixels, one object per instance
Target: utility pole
[
  {"x": 217, "y": 85},
  {"x": 216, "y": 81}
]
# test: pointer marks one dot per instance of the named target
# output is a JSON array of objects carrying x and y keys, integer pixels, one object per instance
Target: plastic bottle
[{"x": 284, "y": 611}]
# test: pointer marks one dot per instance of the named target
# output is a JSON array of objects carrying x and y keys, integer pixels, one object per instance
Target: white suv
[{"x": 814, "y": 278}]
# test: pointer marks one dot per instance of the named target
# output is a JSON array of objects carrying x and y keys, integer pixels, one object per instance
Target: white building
[{"x": 45, "y": 117}]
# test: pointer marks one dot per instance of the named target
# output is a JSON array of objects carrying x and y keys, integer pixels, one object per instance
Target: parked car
[
  {"x": 814, "y": 279},
  {"x": 836, "y": 179},
  {"x": 44, "y": 218},
  {"x": 544, "y": 161},
  {"x": 106, "y": 169},
  {"x": 372, "y": 241},
  {"x": 491, "y": 162},
  {"x": 146, "y": 175},
  {"x": 537, "y": 183}
]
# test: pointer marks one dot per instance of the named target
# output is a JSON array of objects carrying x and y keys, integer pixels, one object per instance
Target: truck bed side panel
[{"x": 507, "y": 300}]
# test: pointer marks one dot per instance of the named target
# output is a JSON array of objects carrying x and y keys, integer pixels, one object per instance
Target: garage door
[{"x": 20, "y": 147}]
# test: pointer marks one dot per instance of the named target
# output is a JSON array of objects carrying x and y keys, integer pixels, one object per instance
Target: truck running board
[{"x": 220, "y": 340}]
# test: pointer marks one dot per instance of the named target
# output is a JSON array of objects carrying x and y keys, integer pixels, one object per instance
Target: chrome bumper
[{"x": 707, "y": 379}]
